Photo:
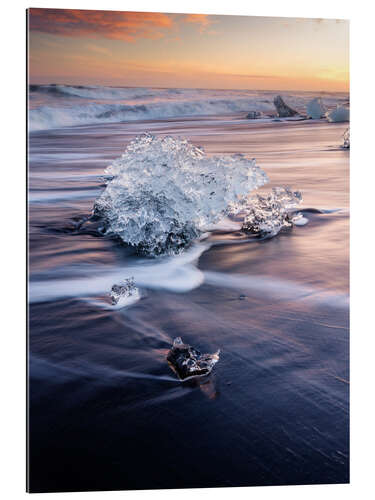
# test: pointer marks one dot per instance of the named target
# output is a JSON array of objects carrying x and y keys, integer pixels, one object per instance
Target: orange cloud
[
  {"x": 127, "y": 26},
  {"x": 201, "y": 19}
]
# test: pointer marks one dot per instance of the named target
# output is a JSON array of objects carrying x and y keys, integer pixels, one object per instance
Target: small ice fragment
[
  {"x": 300, "y": 220},
  {"x": 315, "y": 109},
  {"x": 127, "y": 289},
  {"x": 339, "y": 114},
  {"x": 283, "y": 110},
  {"x": 346, "y": 137},
  {"x": 267, "y": 215},
  {"x": 188, "y": 362},
  {"x": 253, "y": 115}
]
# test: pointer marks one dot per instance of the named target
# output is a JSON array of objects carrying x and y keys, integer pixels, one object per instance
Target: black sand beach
[{"x": 106, "y": 410}]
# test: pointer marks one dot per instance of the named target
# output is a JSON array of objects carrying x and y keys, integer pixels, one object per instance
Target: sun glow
[{"x": 177, "y": 50}]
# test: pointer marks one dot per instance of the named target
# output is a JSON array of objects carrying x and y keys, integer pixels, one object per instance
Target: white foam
[
  {"x": 225, "y": 224},
  {"x": 121, "y": 304},
  {"x": 176, "y": 274},
  {"x": 66, "y": 106},
  {"x": 300, "y": 221}
]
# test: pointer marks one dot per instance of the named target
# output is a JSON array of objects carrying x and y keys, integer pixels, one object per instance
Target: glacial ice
[
  {"x": 188, "y": 362},
  {"x": 283, "y": 110},
  {"x": 267, "y": 215},
  {"x": 346, "y": 137},
  {"x": 315, "y": 109},
  {"x": 339, "y": 114},
  {"x": 163, "y": 191},
  {"x": 253, "y": 115},
  {"x": 124, "y": 292}
]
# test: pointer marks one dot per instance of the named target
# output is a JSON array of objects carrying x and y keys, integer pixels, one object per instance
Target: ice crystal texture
[
  {"x": 163, "y": 191},
  {"x": 267, "y": 215},
  {"x": 188, "y": 362},
  {"x": 123, "y": 291}
]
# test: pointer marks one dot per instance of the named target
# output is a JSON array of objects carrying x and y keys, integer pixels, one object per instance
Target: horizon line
[{"x": 188, "y": 88}]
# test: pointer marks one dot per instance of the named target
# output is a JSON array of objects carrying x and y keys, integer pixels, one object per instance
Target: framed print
[{"x": 188, "y": 250}]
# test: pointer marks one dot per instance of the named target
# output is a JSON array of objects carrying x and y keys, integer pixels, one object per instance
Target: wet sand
[{"x": 106, "y": 411}]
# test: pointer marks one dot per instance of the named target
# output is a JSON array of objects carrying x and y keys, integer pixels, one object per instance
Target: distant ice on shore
[
  {"x": 59, "y": 106},
  {"x": 339, "y": 114},
  {"x": 346, "y": 137},
  {"x": 315, "y": 109}
]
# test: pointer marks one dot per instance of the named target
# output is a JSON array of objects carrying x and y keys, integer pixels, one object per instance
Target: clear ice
[
  {"x": 267, "y": 215},
  {"x": 346, "y": 138},
  {"x": 253, "y": 115},
  {"x": 124, "y": 290},
  {"x": 163, "y": 191},
  {"x": 188, "y": 362},
  {"x": 315, "y": 109},
  {"x": 338, "y": 114},
  {"x": 283, "y": 110}
]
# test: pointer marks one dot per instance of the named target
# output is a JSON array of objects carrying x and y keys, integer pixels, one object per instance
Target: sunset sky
[{"x": 178, "y": 50}]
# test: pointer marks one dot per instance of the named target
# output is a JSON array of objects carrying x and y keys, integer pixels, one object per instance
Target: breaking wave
[
  {"x": 51, "y": 117},
  {"x": 100, "y": 92},
  {"x": 164, "y": 192},
  {"x": 56, "y": 106}
]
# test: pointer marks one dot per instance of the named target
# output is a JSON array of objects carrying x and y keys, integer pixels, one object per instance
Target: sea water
[{"x": 106, "y": 410}]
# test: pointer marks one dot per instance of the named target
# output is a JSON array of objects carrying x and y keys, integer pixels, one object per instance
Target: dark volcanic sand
[{"x": 106, "y": 411}]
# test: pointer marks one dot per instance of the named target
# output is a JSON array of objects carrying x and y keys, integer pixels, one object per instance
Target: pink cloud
[
  {"x": 201, "y": 19},
  {"x": 127, "y": 26}
]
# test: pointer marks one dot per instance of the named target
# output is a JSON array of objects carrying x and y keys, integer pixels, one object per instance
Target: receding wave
[{"x": 176, "y": 274}]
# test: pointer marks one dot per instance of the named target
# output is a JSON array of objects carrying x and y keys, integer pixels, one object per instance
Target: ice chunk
[
  {"x": 267, "y": 215},
  {"x": 124, "y": 293},
  {"x": 339, "y": 114},
  {"x": 252, "y": 115},
  {"x": 315, "y": 109},
  {"x": 283, "y": 110},
  {"x": 346, "y": 138},
  {"x": 164, "y": 191},
  {"x": 188, "y": 362}
]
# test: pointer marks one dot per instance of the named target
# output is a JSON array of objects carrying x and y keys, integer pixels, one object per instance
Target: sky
[{"x": 83, "y": 47}]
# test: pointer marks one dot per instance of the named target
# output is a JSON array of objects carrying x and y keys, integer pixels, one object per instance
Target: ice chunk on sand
[
  {"x": 125, "y": 293},
  {"x": 315, "y": 109},
  {"x": 267, "y": 215},
  {"x": 187, "y": 362},
  {"x": 253, "y": 115},
  {"x": 346, "y": 137},
  {"x": 339, "y": 114},
  {"x": 164, "y": 191},
  {"x": 283, "y": 110}
]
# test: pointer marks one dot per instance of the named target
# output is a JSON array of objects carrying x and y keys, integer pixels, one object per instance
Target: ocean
[{"x": 105, "y": 410}]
